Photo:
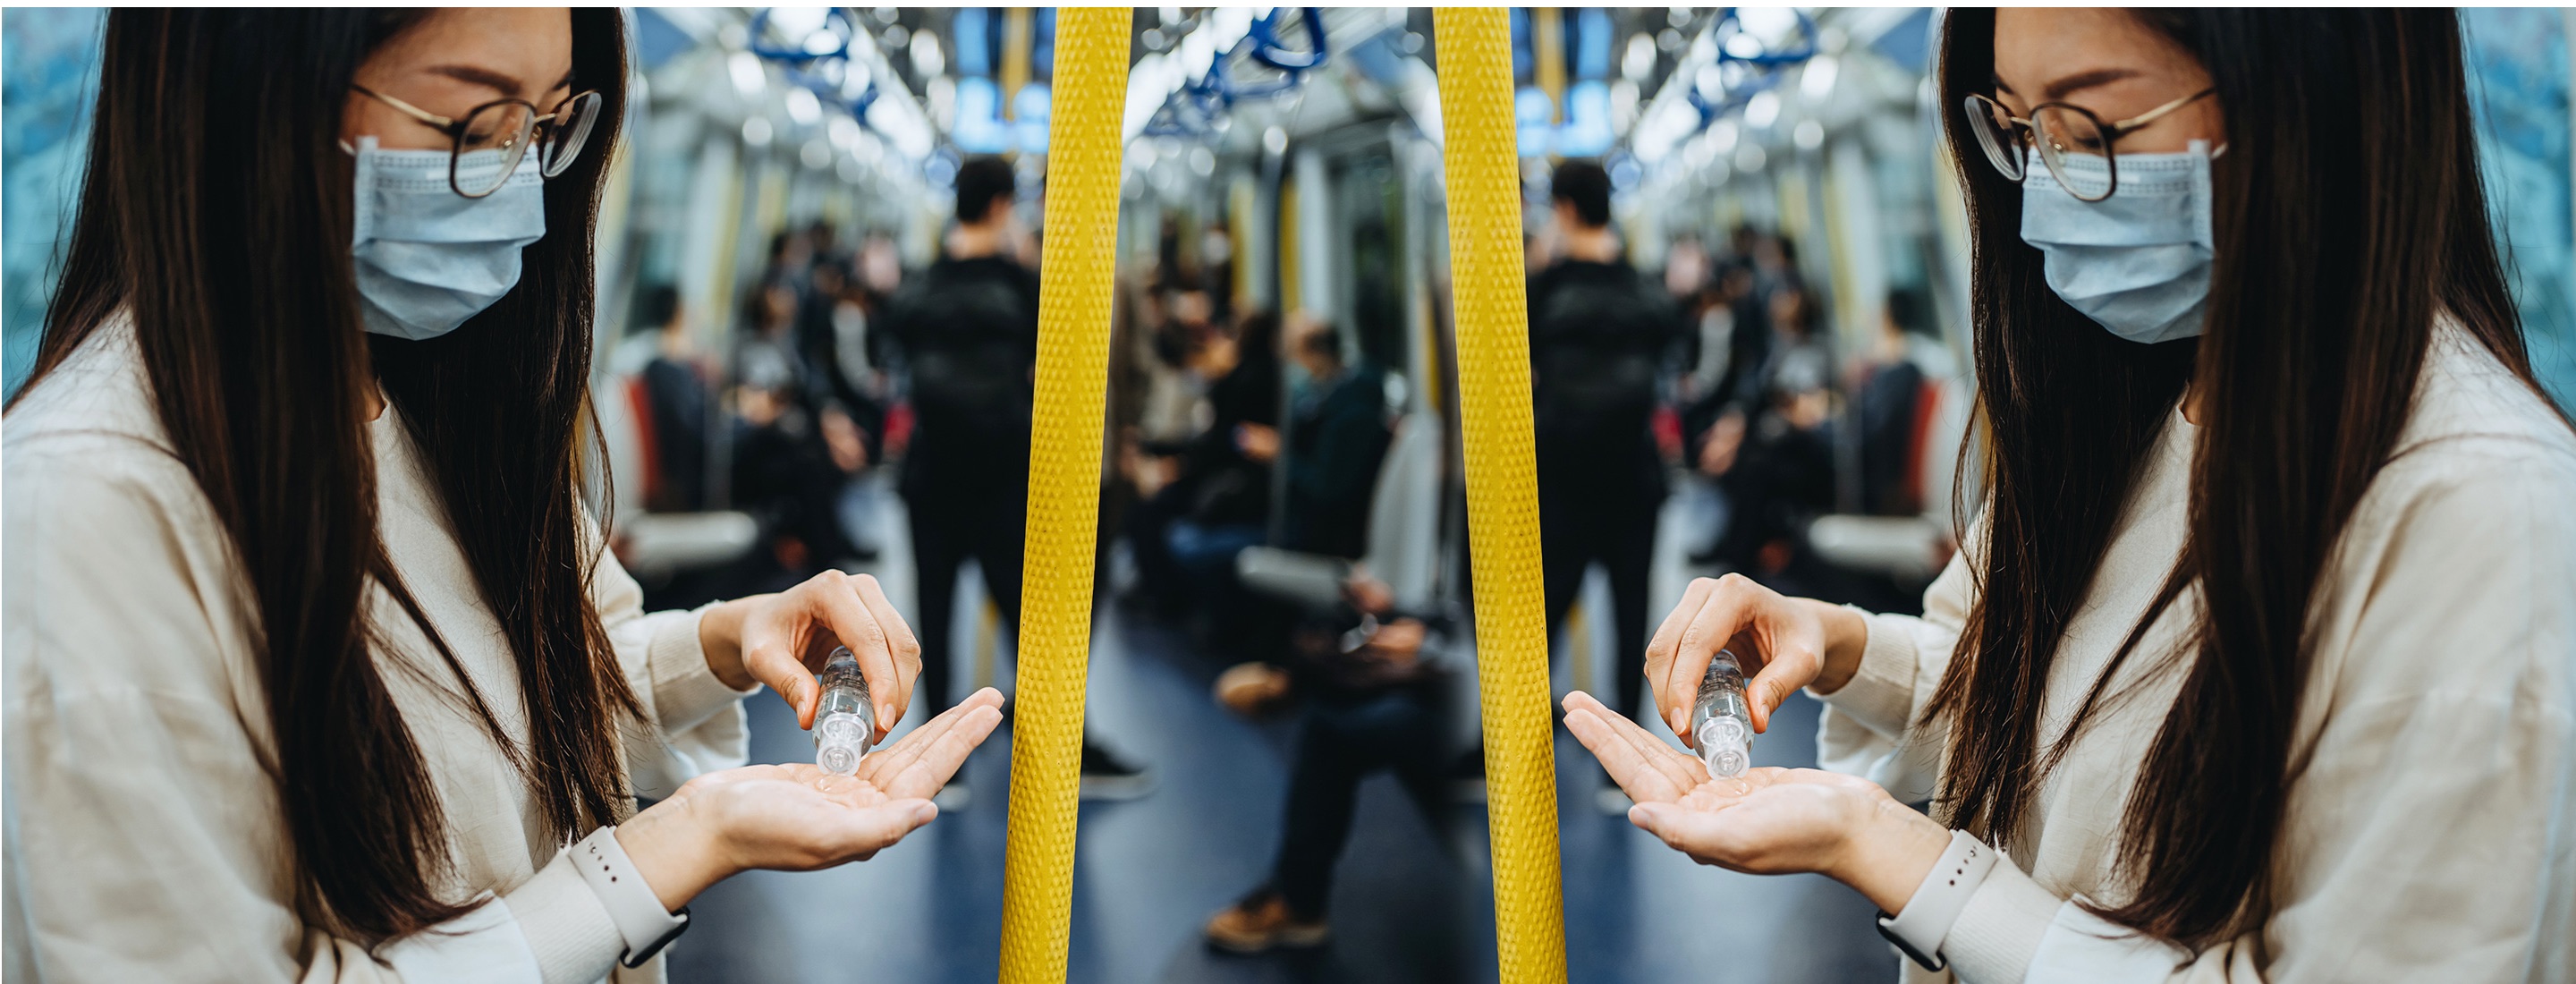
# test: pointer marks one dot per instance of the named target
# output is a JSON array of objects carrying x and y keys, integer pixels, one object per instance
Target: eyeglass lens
[
  {"x": 490, "y": 145},
  {"x": 567, "y": 132},
  {"x": 2078, "y": 155},
  {"x": 1996, "y": 133}
]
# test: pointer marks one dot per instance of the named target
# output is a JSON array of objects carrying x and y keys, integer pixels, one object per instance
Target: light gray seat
[
  {"x": 656, "y": 545},
  {"x": 1403, "y": 532}
]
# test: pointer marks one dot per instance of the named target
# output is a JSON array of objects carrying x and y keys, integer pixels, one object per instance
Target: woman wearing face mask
[
  {"x": 2259, "y": 662},
  {"x": 316, "y": 667}
]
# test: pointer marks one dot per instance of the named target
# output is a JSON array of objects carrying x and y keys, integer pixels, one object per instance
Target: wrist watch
[
  {"x": 631, "y": 904},
  {"x": 1918, "y": 930}
]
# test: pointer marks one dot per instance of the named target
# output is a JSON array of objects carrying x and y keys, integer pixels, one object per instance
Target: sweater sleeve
[
  {"x": 1868, "y": 728},
  {"x": 2431, "y": 835},
  {"x": 698, "y": 723},
  {"x": 143, "y": 824}
]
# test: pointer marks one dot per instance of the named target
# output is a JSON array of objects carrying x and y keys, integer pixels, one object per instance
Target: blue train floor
[{"x": 1412, "y": 901}]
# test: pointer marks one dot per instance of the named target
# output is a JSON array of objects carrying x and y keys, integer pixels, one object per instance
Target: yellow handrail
[
  {"x": 1483, "y": 164},
  {"x": 1083, "y": 160}
]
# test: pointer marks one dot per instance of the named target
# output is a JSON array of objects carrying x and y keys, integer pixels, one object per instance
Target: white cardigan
[
  {"x": 145, "y": 839},
  {"x": 2432, "y": 833}
]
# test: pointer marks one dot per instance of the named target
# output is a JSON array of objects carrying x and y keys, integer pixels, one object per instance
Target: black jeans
[
  {"x": 950, "y": 523},
  {"x": 1347, "y": 736},
  {"x": 1618, "y": 531}
]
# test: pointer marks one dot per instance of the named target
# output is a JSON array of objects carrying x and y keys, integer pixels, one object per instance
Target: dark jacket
[
  {"x": 968, "y": 330},
  {"x": 1600, "y": 339},
  {"x": 1218, "y": 484},
  {"x": 1336, "y": 442}
]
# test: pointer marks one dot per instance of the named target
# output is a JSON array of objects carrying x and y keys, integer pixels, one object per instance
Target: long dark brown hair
[
  {"x": 217, "y": 210},
  {"x": 2348, "y": 215}
]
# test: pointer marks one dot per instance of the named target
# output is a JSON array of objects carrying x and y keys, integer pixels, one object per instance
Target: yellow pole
[
  {"x": 1064, "y": 488},
  {"x": 1547, "y": 46},
  {"x": 1483, "y": 167}
]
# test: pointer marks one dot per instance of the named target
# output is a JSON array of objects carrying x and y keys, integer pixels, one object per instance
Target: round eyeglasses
[
  {"x": 2074, "y": 143},
  {"x": 496, "y": 137}
]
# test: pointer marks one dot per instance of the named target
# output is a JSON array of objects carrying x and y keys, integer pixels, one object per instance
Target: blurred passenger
[
  {"x": 1890, "y": 405},
  {"x": 968, "y": 328},
  {"x": 1217, "y": 500},
  {"x": 1216, "y": 264},
  {"x": 1374, "y": 697},
  {"x": 792, "y": 451},
  {"x": 1777, "y": 469},
  {"x": 822, "y": 315},
  {"x": 1337, "y": 439},
  {"x": 1600, "y": 334},
  {"x": 679, "y": 406}
]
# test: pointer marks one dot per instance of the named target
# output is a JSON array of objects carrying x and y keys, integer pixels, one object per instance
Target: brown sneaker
[{"x": 1263, "y": 922}]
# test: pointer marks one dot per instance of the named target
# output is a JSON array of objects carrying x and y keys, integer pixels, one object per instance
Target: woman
[
  {"x": 315, "y": 663},
  {"x": 2260, "y": 664}
]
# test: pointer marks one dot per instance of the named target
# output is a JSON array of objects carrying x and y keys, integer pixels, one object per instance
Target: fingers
[
  {"x": 937, "y": 759},
  {"x": 850, "y": 619},
  {"x": 860, "y": 834},
  {"x": 1668, "y": 636},
  {"x": 771, "y": 661},
  {"x": 1698, "y": 834},
  {"x": 1682, "y": 770},
  {"x": 1728, "y": 607},
  {"x": 887, "y": 762},
  {"x": 1771, "y": 688},
  {"x": 907, "y": 649},
  {"x": 1631, "y": 767}
]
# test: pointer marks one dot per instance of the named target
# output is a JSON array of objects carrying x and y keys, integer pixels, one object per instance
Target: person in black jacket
[
  {"x": 1218, "y": 501},
  {"x": 968, "y": 330},
  {"x": 1337, "y": 439},
  {"x": 1600, "y": 337}
]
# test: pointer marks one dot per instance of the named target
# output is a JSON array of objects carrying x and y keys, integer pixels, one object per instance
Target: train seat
[
  {"x": 656, "y": 545},
  {"x": 1403, "y": 546}
]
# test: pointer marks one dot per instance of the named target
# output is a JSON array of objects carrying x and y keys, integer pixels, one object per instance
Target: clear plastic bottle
[
  {"x": 1721, "y": 722},
  {"x": 845, "y": 724}
]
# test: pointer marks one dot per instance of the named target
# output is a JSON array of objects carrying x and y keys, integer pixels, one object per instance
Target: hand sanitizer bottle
[
  {"x": 1721, "y": 723},
  {"x": 845, "y": 724}
]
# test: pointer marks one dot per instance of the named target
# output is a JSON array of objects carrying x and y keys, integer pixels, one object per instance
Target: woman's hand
[
  {"x": 1784, "y": 643},
  {"x": 797, "y": 817},
  {"x": 1769, "y": 821},
  {"x": 782, "y": 639}
]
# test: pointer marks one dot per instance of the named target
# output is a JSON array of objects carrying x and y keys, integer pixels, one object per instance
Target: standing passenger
[
  {"x": 1599, "y": 334},
  {"x": 968, "y": 328}
]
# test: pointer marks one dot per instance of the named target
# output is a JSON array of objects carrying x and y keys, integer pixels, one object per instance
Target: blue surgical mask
[
  {"x": 2137, "y": 262},
  {"x": 427, "y": 257}
]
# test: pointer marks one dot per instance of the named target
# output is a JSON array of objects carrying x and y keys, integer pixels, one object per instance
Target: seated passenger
[
  {"x": 681, "y": 410},
  {"x": 1216, "y": 495},
  {"x": 318, "y": 670},
  {"x": 791, "y": 454},
  {"x": 1375, "y": 697},
  {"x": 1337, "y": 438},
  {"x": 1889, "y": 401},
  {"x": 1777, "y": 469}
]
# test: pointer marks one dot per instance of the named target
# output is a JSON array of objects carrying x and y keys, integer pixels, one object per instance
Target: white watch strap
[
  {"x": 631, "y": 903},
  {"x": 1936, "y": 903}
]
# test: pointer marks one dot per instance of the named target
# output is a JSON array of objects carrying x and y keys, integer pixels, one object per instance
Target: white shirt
[
  {"x": 146, "y": 839},
  {"x": 2432, "y": 833}
]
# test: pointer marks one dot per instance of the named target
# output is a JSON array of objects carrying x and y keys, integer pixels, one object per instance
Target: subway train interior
[{"x": 1284, "y": 471}]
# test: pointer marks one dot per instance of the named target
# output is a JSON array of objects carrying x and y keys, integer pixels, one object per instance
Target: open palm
[
  {"x": 797, "y": 817},
  {"x": 1766, "y": 821}
]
